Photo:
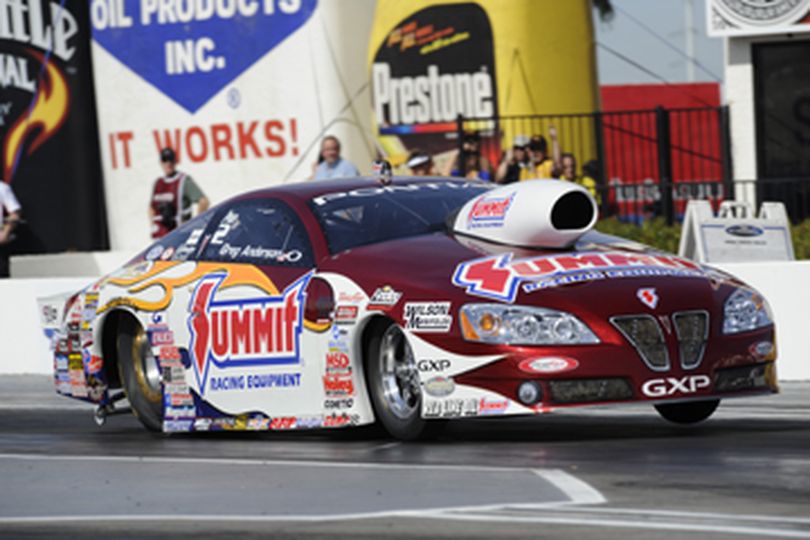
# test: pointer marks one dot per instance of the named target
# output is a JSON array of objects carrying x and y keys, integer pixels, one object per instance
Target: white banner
[
  {"x": 757, "y": 17},
  {"x": 243, "y": 90}
]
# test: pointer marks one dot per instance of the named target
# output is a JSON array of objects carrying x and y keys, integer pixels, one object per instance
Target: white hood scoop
[{"x": 533, "y": 213}]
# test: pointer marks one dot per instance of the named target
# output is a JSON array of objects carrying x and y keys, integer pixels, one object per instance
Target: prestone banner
[{"x": 243, "y": 90}]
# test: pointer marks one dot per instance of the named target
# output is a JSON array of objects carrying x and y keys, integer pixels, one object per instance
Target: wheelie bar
[{"x": 108, "y": 409}]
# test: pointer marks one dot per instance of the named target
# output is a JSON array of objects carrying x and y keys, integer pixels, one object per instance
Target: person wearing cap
[
  {"x": 545, "y": 166},
  {"x": 516, "y": 164},
  {"x": 9, "y": 217},
  {"x": 173, "y": 195},
  {"x": 420, "y": 163},
  {"x": 330, "y": 164}
]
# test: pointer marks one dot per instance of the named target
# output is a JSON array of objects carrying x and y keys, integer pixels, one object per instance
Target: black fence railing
[
  {"x": 639, "y": 202},
  {"x": 644, "y": 163}
]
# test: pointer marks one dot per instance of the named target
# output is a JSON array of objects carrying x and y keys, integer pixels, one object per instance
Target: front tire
[
  {"x": 688, "y": 413},
  {"x": 393, "y": 382},
  {"x": 140, "y": 375}
]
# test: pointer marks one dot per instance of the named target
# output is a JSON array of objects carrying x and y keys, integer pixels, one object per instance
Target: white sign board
[
  {"x": 757, "y": 17},
  {"x": 735, "y": 234},
  {"x": 243, "y": 91}
]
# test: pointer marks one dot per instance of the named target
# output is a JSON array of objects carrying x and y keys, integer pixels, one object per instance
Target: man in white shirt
[{"x": 9, "y": 216}]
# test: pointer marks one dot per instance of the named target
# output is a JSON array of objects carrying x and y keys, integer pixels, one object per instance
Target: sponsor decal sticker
[
  {"x": 384, "y": 298},
  {"x": 451, "y": 408},
  {"x": 256, "y": 331},
  {"x": 283, "y": 422},
  {"x": 355, "y": 298},
  {"x": 549, "y": 364},
  {"x": 648, "y": 297},
  {"x": 258, "y": 423},
  {"x": 180, "y": 412},
  {"x": 439, "y": 387},
  {"x": 309, "y": 422},
  {"x": 49, "y": 315},
  {"x": 428, "y": 316},
  {"x": 346, "y": 314},
  {"x": 486, "y": 406},
  {"x": 154, "y": 252},
  {"x": 93, "y": 363},
  {"x": 344, "y": 403},
  {"x": 500, "y": 276},
  {"x": 180, "y": 399},
  {"x": 489, "y": 211},
  {"x": 338, "y": 420},
  {"x": 161, "y": 336},
  {"x": 338, "y": 385},
  {"x": 178, "y": 425},
  {"x": 669, "y": 386},
  {"x": 428, "y": 365},
  {"x": 61, "y": 362}
]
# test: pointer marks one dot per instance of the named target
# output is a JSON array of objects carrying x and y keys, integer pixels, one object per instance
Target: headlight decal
[
  {"x": 522, "y": 325},
  {"x": 745, "y": 310}
]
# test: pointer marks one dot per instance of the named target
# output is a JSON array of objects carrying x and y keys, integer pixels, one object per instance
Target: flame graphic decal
[
  {"x": 45, "y": 116},
  {"x": 156, "y": 276}
]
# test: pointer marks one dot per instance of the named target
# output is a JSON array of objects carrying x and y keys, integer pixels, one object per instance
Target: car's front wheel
[
  {"x": 140, "y": 373},
  {"x": 688, "y": 413},
  {"x": 393, "y": 382}
]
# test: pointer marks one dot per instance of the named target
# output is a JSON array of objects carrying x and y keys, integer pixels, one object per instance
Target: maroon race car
[{"x": 328, "y": 304}]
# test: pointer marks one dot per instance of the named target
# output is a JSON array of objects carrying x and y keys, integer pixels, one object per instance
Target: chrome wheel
[
  {"x": 147, "y": 368},
  {"x": 139, "y": 370},
  {"x": 398, "y": 373}
]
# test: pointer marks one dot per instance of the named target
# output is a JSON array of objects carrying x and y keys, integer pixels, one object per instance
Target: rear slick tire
[
  {"x": 140, "y": 375},
  {"x": 393, "y": 382},
  {"x": 688, "y": 413}
]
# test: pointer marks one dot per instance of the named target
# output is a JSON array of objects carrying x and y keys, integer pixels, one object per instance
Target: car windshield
[{"x": 375, "y": 214}]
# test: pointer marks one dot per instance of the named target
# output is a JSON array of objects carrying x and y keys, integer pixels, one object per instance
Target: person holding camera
[
  {"x": 9, "y": 217},
  {"x": 173, "y": 195}
]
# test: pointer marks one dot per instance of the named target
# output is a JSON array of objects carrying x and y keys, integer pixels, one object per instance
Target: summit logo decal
[{"x": 258, "y": 331}]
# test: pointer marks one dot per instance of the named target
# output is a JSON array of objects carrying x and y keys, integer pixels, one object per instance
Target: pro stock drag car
[{"x": 329, "y": 304}]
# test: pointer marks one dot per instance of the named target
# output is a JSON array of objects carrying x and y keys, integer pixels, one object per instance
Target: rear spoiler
[{"x": 52, "y": 310}]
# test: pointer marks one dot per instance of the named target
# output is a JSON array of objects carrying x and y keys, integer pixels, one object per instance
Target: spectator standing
[
  {"x": 475, "y": 165},
  {"x": 173, "y": 195},
  {"x": 545, "y": 166},
  {"x": 420, "y": 163},
  {"x": 9, "y": 217},
  {"x": 330, "y": 164},
  {"x": 568, "y": 168},
  {"x": 516, "y": 164}
]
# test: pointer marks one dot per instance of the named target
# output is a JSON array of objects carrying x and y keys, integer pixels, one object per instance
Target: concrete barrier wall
[{"x": 23, "y": 349}]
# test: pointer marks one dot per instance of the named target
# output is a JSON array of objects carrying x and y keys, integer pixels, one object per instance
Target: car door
[{"x": 248, "y": 346}]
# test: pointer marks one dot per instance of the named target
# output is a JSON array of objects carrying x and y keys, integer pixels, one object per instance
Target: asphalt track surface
[{"x": 591, "y": 474}]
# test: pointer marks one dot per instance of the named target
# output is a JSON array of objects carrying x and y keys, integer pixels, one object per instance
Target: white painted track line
[
  {"x": 578, "y": 491},
  {"x": 253, "y": 462}
]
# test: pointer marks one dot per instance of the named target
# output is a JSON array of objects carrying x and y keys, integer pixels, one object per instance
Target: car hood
[{"x": 600, "y": 273}]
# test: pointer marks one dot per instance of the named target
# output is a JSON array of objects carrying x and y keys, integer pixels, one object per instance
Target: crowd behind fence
[{"x": 647, "y": 163}]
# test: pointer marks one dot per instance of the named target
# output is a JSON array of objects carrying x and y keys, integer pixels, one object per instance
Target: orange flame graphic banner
[{"x": 44, "y": 117}]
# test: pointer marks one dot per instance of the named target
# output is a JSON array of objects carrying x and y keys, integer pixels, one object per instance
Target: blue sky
[{"x": 666, "y": 18}]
